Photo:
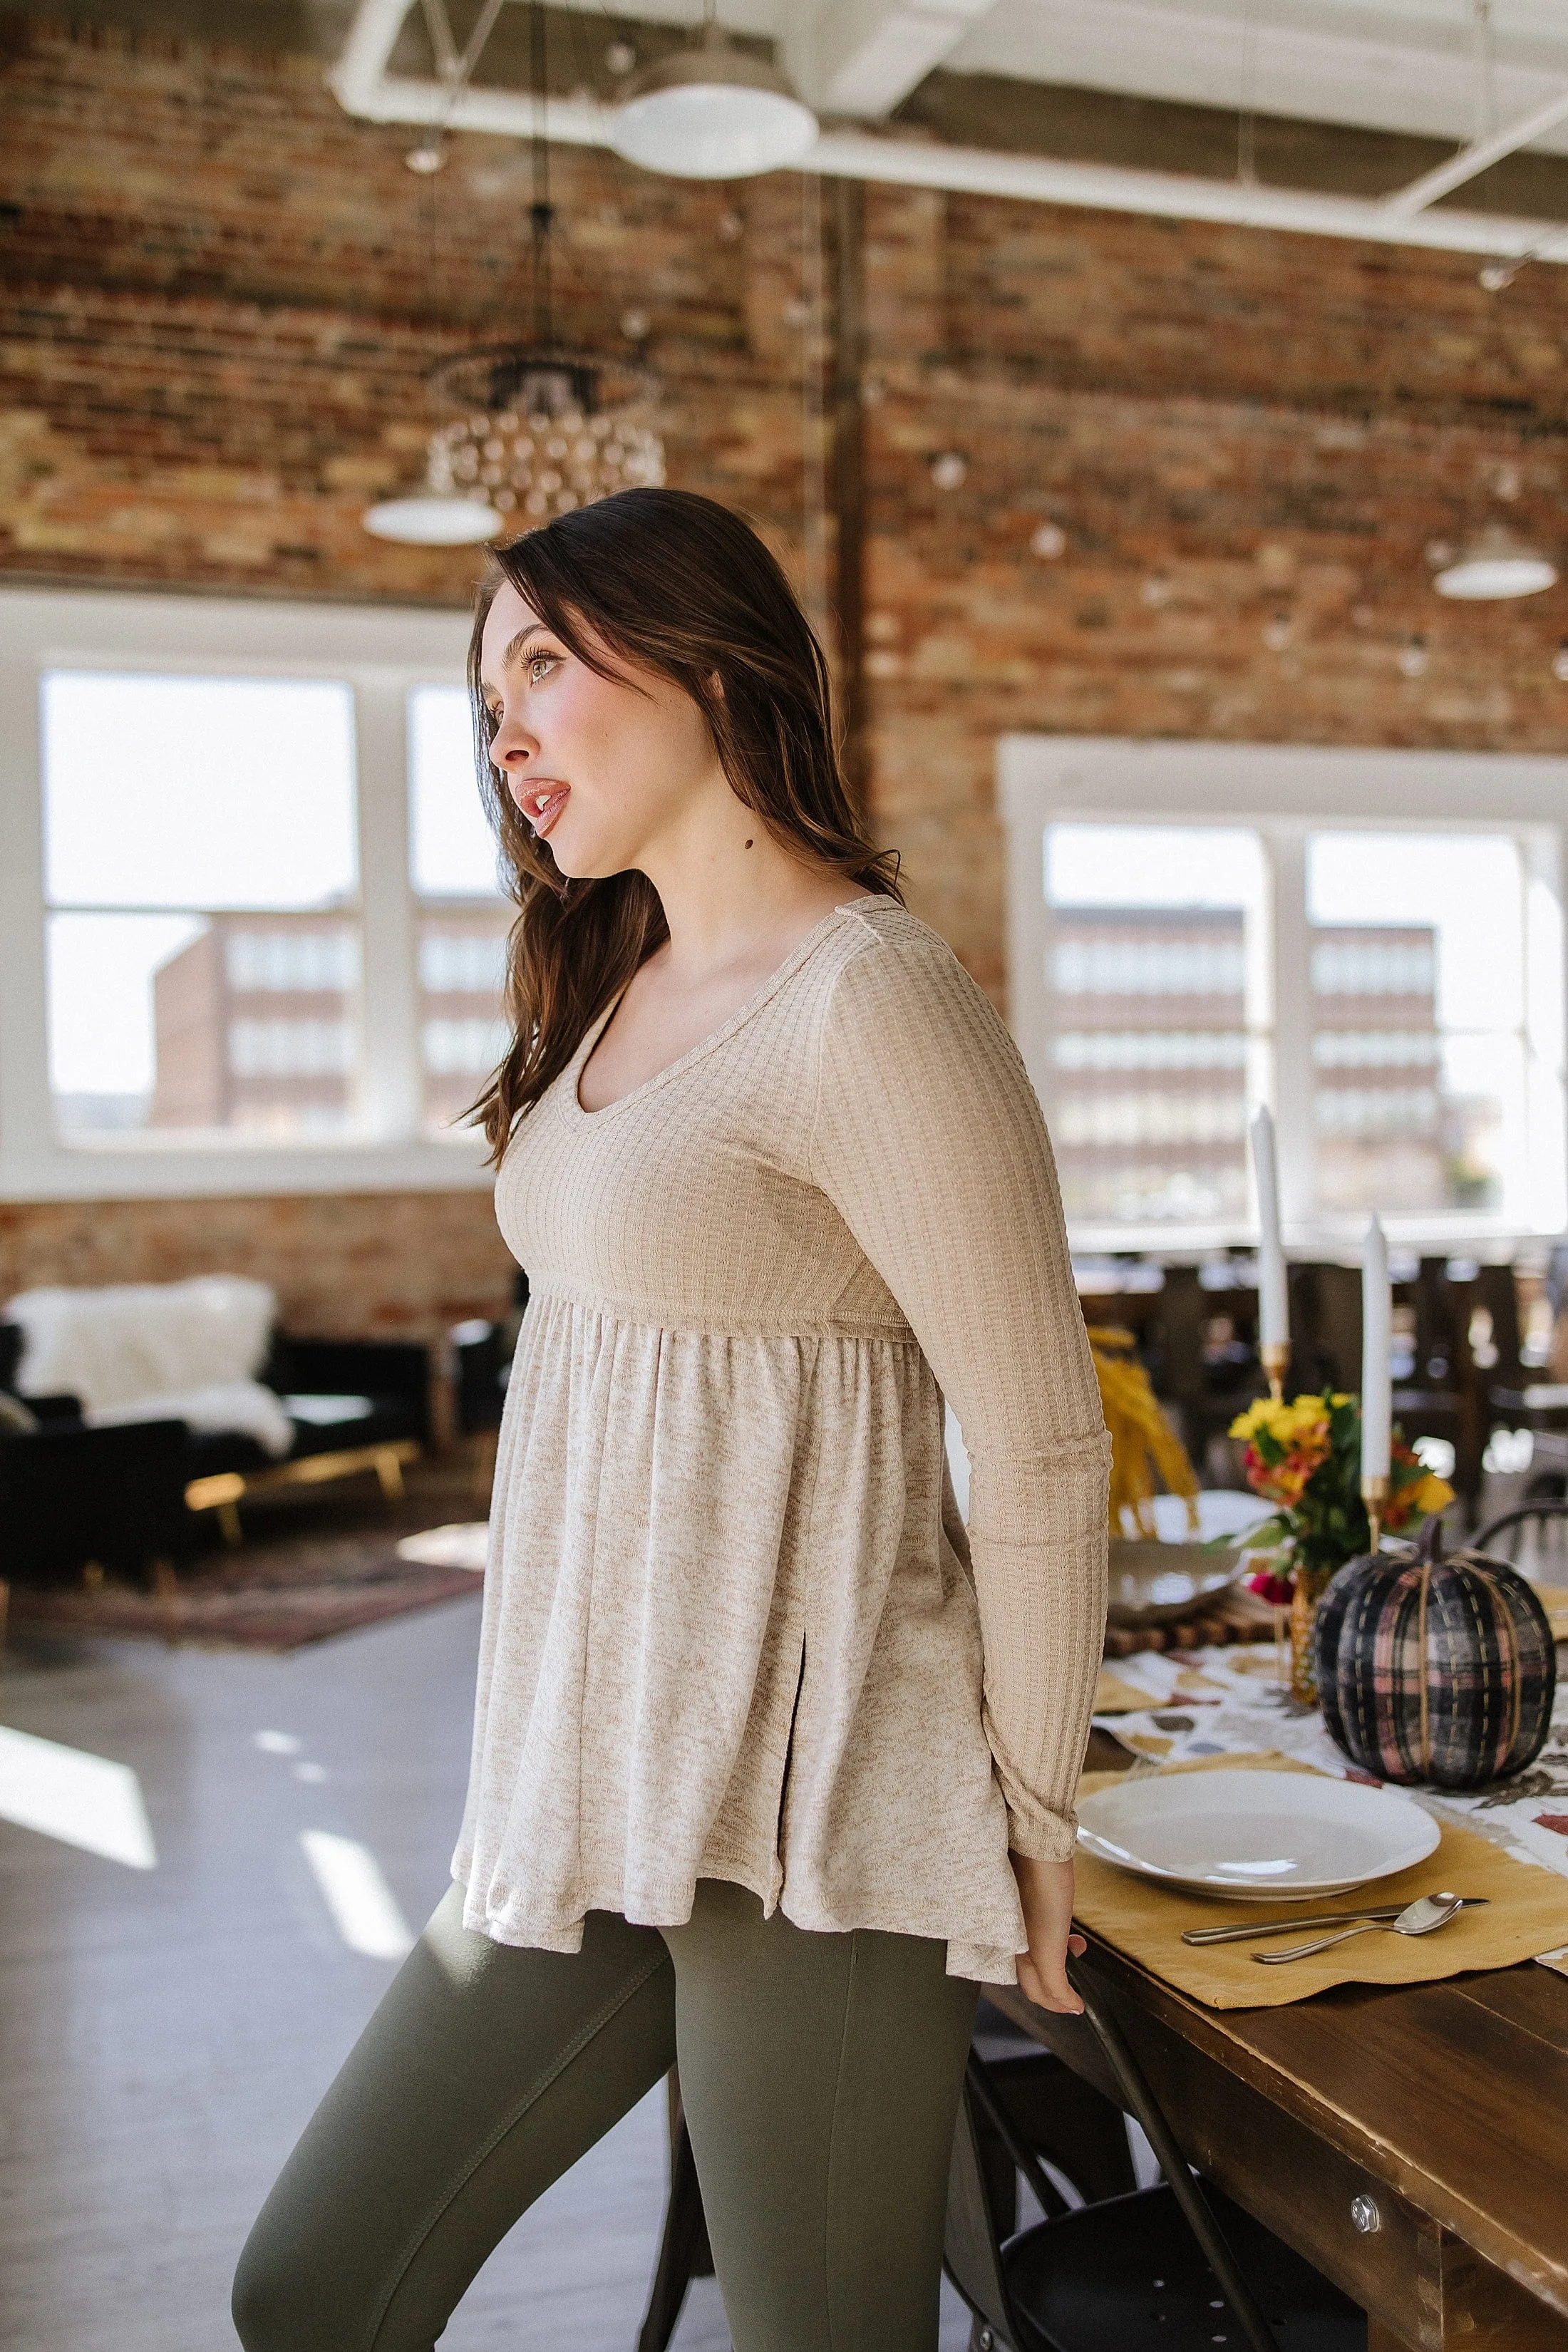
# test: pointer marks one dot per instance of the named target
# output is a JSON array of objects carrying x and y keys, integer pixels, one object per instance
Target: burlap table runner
[{"x": 1526, "y": 1913}]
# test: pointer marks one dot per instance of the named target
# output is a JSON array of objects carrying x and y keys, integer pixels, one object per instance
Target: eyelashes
[{"x": 537, "y": 667}]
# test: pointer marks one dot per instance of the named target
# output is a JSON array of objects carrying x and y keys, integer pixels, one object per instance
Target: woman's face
[{"x": 600, "y": 767}]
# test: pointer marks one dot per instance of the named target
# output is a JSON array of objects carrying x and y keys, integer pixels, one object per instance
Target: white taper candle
[
  {"x": 1273, "y": 1305},
  {"x": 1376, "y": 1390}
]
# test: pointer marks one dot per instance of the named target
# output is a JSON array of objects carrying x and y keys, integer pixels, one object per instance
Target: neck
[{"x": 729, "y": 889}]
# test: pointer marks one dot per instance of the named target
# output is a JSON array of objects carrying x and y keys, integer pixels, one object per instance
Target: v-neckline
[{"x": 572, "y": 1102}]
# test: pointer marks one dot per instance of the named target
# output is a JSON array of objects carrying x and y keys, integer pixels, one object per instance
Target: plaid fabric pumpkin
[{"x": 1433, "y": 1668}]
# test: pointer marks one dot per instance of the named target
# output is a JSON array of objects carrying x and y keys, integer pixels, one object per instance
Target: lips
[{"x": 542, "y": 805}]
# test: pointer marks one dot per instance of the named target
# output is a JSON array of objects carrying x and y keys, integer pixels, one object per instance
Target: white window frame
[
  {"x": 381, "y": 652},
  {"x": 1284, "y": 793}
]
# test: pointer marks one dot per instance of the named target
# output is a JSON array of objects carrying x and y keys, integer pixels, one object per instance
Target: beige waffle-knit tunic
[{"x": 733, "y": 1625}]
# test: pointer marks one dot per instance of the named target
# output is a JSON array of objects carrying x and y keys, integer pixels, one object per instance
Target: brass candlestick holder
[
  {"x": 1275, "y": 1356},
  {"x": 1374, "y": 1494}
]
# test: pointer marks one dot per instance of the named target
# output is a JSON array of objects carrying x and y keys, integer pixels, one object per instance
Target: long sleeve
[{"x": 928, "y": 1141}]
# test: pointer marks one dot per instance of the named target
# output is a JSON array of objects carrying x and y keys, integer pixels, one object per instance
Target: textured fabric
[
  {"x": 133, "y": 1341},
  {"x": 1436, "y": 1670},
  {"x": 734, "y": 1627},
  {"x": 820, "y": 2078}
]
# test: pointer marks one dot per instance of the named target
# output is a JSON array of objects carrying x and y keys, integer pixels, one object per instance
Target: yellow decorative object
[{"x": 1145, "y": 1451}]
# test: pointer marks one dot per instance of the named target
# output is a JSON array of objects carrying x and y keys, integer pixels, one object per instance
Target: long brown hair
[{"x": 675, "y": 583}]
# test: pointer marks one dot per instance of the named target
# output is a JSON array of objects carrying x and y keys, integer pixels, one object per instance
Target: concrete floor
[{"x": 166, "y": 2031}]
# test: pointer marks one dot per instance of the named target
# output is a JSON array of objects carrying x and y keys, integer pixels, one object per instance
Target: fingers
[{"x": 1048, "y": 1987}]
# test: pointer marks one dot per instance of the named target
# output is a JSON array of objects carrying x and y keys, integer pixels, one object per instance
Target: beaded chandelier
[
  {"x": 552, "y": 430},
  {"x": 540, "y": 428}
]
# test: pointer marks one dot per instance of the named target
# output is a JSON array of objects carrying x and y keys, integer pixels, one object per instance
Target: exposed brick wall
[
  {"x": 1232, "y": 429},
  {"x": 221, "y": 296},
  {"x": 387, "y": 1264}
]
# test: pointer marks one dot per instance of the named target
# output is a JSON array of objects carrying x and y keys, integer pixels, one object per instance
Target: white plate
[
  {"x": 1222, "y": 1511},
  {"x": 1255, "y": 1837},
  {"x": 1158, "y": 1583}
]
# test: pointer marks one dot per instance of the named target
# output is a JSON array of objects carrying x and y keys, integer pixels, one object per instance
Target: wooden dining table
[{"x": 1410, "y": 2140}]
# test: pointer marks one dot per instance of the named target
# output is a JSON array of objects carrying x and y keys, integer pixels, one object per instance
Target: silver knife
[{"x": 1289, "y": 1927}]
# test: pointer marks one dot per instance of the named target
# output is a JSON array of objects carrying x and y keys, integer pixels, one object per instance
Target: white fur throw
[
  {"x": 224, "y": 1406},
  {"x": 148, "y": 1350}
]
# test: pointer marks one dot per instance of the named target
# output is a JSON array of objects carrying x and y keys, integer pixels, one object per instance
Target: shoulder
[
  {"x": 902, "y": 1016},
  {"x": 891, "y": 963}
]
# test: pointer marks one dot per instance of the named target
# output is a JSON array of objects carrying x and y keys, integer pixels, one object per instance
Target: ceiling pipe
[
  {"x": 363, "y": 86},
  {"x": 1478, "y": 156}
]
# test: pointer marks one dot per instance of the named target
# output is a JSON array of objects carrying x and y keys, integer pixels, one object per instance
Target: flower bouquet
[{"x": 1305, "y": 1458}]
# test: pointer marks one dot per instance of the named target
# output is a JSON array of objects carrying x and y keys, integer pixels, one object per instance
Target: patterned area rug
[{"x": 324, "y": 1570}]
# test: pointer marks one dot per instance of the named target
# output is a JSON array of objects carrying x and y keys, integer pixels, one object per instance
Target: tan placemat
[
  {"x": 1527, "y": 1913},
  {"x": 1553, "y": 1599},
  {"x": 1113, "y": 1696}
]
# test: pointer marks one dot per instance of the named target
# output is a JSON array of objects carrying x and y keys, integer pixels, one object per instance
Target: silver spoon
[{"x": 1417, "y": 1918}]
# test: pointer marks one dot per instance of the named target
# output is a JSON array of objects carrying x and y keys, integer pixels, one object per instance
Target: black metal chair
[
  {"x": 1030, "y": 2112},
  {"x": 1075, "y": 2281},
  {"x": 1544, "y": 1517},
  {"x": 1515, "y": 1399},
  {"x": 683, "y": 2249},
  {"x": 1168, "y": 2269}
]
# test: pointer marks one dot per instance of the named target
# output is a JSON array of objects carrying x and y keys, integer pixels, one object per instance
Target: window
[
  {"x": 1155, "y": 973},
  {"x": 200, "y": 873},
  {"x": 1419, "y": 1042},
  {"x": 249, "y": 927},
  {"x": 1391, "y": 979},
  {"x": 463, "y": 918}
]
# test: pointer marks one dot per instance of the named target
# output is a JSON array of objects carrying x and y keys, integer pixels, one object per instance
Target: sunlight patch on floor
[
  {"x": 84, "y": 1800},
  {"x": 363, "y": 1907}
]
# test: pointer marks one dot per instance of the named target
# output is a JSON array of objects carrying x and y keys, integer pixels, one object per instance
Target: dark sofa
[
  {"x": 71, "y": 1494},
  {"x": 392, "y": 1375}
]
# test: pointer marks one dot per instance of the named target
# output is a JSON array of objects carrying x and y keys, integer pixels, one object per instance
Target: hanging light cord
[
  {"x": 456, "y": 66},
  {"x": 542, "y": 212},
  {"x": 1246, "y": 109}
]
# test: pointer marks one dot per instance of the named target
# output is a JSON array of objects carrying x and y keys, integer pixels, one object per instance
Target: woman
[{"x": 773, "y": 1763}]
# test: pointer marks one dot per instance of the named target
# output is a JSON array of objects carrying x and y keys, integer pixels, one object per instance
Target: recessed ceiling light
[
  {"x": 1495, "y": 565},
  {"x": 712, "y": 113}
]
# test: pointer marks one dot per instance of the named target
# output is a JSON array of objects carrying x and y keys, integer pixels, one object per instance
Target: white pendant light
[
  {"x": 443, "y": 514},
  {"x": 713, "y": 112},
  {"x": 1495, "y": 564}
]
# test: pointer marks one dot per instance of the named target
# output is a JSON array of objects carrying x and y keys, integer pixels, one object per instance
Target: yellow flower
[
  {"x": 1432, "y": 1496},
  {"x": 1257, "y": 1416}
]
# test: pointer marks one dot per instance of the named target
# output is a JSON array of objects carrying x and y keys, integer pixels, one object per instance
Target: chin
[{"x": 579, "y": 857}]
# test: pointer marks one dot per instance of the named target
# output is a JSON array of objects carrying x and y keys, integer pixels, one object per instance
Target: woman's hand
[{"x": 1045, "y": 1889}]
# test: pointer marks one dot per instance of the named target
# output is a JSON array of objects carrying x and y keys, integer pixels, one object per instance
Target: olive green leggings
[{"x": 820, "y": 2075}]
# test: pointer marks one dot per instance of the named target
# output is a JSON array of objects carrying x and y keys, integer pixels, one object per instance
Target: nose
[{"x": 511, "y": 748}]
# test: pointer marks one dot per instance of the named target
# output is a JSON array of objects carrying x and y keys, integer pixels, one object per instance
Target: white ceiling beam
[
  {"x": 1478, "y": 157},
  {"x": 862, "y": 57},
  {"x": 364, "y": 88},
  {"x": 1409, "y": 68}
]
